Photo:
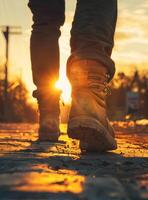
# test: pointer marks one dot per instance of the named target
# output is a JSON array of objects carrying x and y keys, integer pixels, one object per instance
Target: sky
[{"x": 131, "y": 39}]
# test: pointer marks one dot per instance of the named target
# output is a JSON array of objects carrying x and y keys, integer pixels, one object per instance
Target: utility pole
[
  {"x": 7, "y": 30},
  {"x": 6, "y": 34}
]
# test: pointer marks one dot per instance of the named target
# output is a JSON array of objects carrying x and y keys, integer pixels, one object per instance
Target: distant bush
[{"x": 18, "y": 108}]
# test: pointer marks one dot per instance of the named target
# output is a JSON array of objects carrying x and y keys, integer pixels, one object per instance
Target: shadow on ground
[{"x": 37, "y": 170}]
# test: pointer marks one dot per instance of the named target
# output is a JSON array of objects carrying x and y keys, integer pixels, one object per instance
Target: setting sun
[{"x": 64, "y": 85}]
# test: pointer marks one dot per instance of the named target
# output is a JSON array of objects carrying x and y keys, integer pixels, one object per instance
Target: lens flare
[{"x": 63, "y": 84}]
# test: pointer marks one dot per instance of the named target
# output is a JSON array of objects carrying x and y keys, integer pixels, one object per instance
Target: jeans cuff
[{"x": 107, "y": 62}]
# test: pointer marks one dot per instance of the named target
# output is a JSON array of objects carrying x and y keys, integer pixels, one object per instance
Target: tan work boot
[
  {"x": 49, "y": 112},
  {"x": 88, "y": 120}
]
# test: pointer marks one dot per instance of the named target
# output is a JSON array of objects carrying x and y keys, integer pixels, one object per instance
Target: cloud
[{"x": 131, "y": 39}]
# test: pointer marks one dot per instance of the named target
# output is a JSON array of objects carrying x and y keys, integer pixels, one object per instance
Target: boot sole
[{"x": 92, "y": 134}]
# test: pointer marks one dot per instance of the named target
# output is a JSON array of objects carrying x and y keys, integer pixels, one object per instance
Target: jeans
[{"x": 92, "y": 35}]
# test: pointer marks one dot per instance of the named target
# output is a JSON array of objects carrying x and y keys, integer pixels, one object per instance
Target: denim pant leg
[
  {"x": 48, "y": 16},
  {"x": 92, "y": 34}
]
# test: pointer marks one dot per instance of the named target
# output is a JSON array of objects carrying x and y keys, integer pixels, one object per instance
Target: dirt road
[{"x": 33, "y": 170}]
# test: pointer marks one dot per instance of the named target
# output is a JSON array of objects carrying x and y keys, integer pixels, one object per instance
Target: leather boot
[
  {"x": 49, "y": 112},
  {"x": 88, "y": 120}
]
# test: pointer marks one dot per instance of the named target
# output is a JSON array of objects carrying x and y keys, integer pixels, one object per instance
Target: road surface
[{"x": 40, "y": 170}]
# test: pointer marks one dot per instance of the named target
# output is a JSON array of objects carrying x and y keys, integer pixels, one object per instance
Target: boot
[
  {"x": 88, "y": 120},
  {"x": 49, "y": 112}
]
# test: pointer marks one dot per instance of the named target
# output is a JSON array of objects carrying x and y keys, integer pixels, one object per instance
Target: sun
[{"x": 64, "y": 85}]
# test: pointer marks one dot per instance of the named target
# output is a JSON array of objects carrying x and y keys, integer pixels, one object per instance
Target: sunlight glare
[{"x": 64, "y": 85}]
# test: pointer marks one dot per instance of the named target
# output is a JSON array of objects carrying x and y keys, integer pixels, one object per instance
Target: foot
[
  {"x": 49, "y": 128},
  {"x": 49, "y": 112},
  {"x": 88, "y": 120}
]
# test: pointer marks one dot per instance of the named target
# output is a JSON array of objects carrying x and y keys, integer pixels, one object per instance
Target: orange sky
[{"x": 131, "y": 41}]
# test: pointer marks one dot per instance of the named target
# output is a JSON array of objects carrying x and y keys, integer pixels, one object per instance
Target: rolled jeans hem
[{"x": 107, "y": 62}]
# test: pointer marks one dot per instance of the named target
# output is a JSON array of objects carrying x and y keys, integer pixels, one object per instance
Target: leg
[
  {"x": 92, "y": 34},
  {"x": 89, "y": 69},
  {"x": 48, "y": 16}
]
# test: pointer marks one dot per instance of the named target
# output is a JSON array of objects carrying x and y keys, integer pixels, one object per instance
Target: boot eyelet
[
  {"x": 105, "y": 90},
  {"x": 107, "y": 76},
  {"x": 105, "y": 83}
]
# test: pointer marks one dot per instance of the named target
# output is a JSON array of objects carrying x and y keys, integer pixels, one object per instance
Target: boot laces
[
  {"x": 97, "y": 82},
  {"x": 107, "y": 89}
]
